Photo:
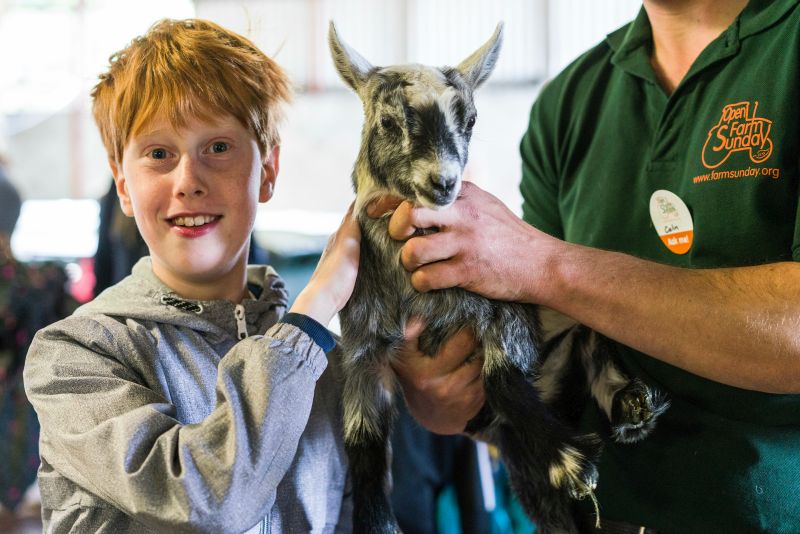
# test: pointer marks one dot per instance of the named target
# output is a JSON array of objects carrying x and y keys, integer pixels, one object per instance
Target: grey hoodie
[{"x": 155, "y": 417}]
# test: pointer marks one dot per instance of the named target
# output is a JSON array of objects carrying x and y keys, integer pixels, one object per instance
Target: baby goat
[{"x": 418, "y": 123}]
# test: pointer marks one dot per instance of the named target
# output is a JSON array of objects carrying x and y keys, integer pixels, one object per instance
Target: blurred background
[{"x": 52, "y": 50}]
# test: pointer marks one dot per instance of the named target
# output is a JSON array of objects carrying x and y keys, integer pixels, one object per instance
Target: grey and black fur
[{"x": 417, "y": 128}]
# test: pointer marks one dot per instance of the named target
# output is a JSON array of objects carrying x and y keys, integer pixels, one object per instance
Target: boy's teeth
[{"x": 199, "y": 220}]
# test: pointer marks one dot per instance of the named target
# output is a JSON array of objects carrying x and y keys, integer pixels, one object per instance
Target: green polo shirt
[{"x": 603, "y": 137}]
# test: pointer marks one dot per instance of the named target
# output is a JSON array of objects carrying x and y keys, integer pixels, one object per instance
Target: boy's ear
[
  {"x": 269, "y": 173},
  {"x": 122, "y": 187}
]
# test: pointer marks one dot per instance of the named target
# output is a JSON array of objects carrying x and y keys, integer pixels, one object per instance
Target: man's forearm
[{"x": 738, "y": 326}]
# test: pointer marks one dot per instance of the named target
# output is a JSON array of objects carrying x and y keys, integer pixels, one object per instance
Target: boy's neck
[
  {"x": 682, "y": 29},
  {"x": 231, "y": 286}
]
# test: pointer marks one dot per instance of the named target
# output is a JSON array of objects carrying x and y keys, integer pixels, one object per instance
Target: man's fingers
[
  {"x": 460, "y": 346},
  {"x": 429, "y": 249},
  {"x": 439, "y": 275},
  {"x": 383, "y": 205},
  {"x": 400, "y": 225},
  {"x": 445, "y": 406},
  {"x": 414, "y": 328},
  {"x": 407, "y": 219}
]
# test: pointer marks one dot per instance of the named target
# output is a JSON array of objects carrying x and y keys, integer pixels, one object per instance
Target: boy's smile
[
  {"x": 194, "y": 192},
  {"x": 192, "y": 225}
]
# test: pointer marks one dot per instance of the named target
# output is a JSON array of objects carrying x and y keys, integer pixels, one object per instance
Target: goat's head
[{"x": 417, "y": 125}]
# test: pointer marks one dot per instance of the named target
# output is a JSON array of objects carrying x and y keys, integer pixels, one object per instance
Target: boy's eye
[
  {"x": 219, "y": 147},
  {"x": 158, "y": 153}
]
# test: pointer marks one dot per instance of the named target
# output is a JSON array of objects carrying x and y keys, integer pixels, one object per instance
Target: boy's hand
[
  {"x": 333, "y": 280},
  {"x": 443, "y": 392}
]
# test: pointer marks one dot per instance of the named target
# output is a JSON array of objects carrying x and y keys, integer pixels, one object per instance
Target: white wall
[
  {"x": 439, "y": 32},
  {"x": 575, "y": 25}
]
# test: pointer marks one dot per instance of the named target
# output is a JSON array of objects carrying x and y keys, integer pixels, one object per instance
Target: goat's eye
[
  {"x": 470, "y": 122},
  {"x": 387, "y": 122}
]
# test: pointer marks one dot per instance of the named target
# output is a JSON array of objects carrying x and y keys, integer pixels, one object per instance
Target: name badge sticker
[{"x": 672, "y": 221}]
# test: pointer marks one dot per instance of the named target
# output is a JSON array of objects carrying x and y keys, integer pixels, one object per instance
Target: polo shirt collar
[
  {"x": 631, "y": 47},
  {"x": 632, "y": 44},
  {"x": 761, "y": 14}
]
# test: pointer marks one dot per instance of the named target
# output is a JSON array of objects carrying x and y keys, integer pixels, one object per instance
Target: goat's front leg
[{"x": 368, "y": 419}]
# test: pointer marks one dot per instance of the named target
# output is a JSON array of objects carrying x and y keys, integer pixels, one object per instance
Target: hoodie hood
[{"x": 142, "y": 296}]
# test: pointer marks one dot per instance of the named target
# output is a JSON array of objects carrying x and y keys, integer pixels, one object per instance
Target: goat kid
[{"x": 418, "y": 123}]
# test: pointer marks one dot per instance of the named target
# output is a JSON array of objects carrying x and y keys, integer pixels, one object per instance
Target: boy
[{"x": 179, "y": 399}]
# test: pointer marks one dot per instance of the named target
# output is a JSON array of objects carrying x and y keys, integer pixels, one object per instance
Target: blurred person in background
[
  {"x": 31, "y": 297},
  {"x": 119, "y": 243}
]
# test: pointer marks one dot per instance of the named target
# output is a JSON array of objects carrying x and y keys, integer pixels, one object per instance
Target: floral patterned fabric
[{"x": 31, "y": 297}]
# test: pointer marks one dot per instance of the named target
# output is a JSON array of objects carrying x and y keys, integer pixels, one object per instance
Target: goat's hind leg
[
  {"x": 369, "y": 415},
  {"x": 548, "y": 463}
]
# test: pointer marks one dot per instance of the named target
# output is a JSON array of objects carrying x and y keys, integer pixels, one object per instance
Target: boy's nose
[{"x": 189, "y": 182}]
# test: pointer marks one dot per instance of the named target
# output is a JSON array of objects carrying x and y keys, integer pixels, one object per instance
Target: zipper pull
[{"x": 241, "y": 325}]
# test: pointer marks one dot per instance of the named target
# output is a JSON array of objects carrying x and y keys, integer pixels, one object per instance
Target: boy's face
[{"x": 194, "y": 194}]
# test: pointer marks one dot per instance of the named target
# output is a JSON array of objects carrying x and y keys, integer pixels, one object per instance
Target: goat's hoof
[
  {"x": 634, "y": 411},
  {"x": 575, "y": 472},
  {"x": 580, "y": 489}
]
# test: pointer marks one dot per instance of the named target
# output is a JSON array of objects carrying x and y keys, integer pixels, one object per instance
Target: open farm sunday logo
[{"x": 738, "y": 130}]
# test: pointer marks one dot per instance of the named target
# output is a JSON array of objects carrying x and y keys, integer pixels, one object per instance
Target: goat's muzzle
[{"x": 442, "y": 189}]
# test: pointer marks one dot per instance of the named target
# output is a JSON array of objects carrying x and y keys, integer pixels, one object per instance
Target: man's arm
[{"x": 738, "y": 326}]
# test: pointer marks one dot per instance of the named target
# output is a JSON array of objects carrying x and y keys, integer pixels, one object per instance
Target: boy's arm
[{"x": 104, "y": 429}]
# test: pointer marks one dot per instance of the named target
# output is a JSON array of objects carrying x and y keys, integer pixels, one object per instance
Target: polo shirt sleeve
[{"x": 539, "y": 185}]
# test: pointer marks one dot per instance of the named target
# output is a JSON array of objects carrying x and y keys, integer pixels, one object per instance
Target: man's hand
[
  {"x": 443, "y": 392},
  {"x": 480, "y": 246},
  {"x": 383, "y": 205}
]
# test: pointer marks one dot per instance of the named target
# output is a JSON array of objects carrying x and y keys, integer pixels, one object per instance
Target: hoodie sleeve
[{"x": 108, "y": 432}]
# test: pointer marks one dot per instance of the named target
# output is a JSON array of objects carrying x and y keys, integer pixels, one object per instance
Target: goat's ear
[
  {"x": 478, "y": 66},
  {"x": 352, "y": 67}
]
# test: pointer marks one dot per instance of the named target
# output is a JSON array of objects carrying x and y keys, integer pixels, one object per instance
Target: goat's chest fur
[{"x": 383, "y": 301}]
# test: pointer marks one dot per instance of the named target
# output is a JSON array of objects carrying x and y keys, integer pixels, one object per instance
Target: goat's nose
[{"x": 441, "y": 183}]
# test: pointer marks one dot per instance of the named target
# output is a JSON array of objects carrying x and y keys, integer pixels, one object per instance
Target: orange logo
[{"x": 738, "y": 130}]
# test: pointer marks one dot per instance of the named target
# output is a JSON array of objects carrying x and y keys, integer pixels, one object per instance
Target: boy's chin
[{"x": 200, "y": 268}]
